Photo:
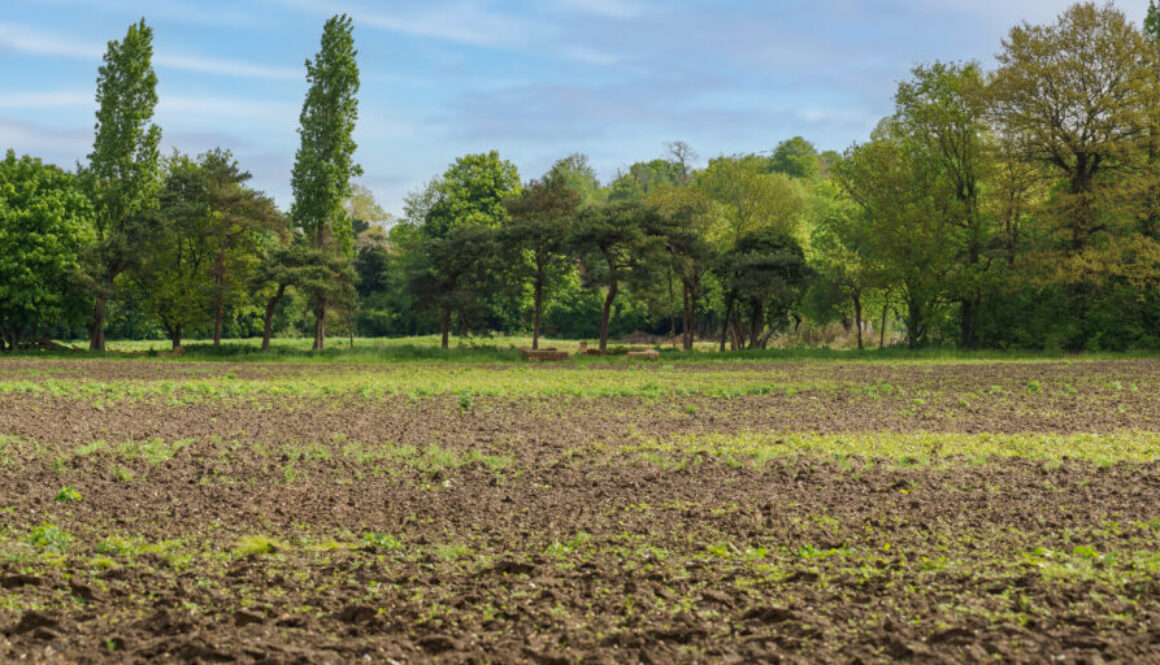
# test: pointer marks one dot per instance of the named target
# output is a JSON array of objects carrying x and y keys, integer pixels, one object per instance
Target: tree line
[{"x": 1012, "y": 208}]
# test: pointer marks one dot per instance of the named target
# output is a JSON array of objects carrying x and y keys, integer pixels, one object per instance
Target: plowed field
[{"x": 155, "y": 511}]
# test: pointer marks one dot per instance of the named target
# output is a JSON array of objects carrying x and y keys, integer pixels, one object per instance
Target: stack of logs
[{"x": 548, "y": 354}]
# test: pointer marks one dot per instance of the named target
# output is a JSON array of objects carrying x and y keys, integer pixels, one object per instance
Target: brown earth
[{"x": 510, "y": 540}]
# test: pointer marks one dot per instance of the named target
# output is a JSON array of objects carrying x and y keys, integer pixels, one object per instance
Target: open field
[{"x": 593, "y": 511}]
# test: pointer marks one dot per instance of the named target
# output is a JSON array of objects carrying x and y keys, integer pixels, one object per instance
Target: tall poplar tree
[
  {"x": 324, "y": 163},
  {"x": 123, "y": 174}
]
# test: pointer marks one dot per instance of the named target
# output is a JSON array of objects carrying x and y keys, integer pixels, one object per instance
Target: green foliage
[
  {"x": 67, "y": 494},
  {"x": 123, "y": 165},
  {"x": 382, "y": 541},
  {"x": 765, "y": 273},
  {"x": 537, "y": 237},
  {"x": 44, "y": 221},
  {"x": 613, "y": 242},
  {"x": 796, "y": 158},
  {"x": 122, "y": 174},
  {"x": 257, "y": 545},
  {"x": 643, "y": 177},
  {"x": 324, "y": 163},
  {"x": 471, "y": 193},
  {"x": 49, "y": 538}
]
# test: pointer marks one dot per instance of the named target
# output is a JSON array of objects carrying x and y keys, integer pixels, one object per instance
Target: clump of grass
[
  {"x": 255, "y": 545},
  {"x": 382, "y": 541},
  {"x": 67, "y": 494},
  {"x": 49, "y": 537},
  {"x": 119, "y": 546},
  {"x": 123, "y": 475},
  {"x": 466, "y": 400},
  {"x": 452, "y": 551}
]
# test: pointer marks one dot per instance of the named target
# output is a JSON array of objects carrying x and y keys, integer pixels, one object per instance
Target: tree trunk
[
  {"x": 219, "y": 297},
  {"x": 689, "y": 319},
  {"x": 725, "y": 323},
  {"x": 672, "y": 314},
  {"x": 967, "y": 323},
  {"x": 737, "y": 334},
  {"x": 97, "y": 339},
  {"x": 882, "y": 330},
  {"x": 606, "y": 316},
  {"x": 271, "y": 304},
  {"x": 175, "y": 337},
  {"x": 756, "y": 323},
  {"x": 858, "y": 317},
  {"x": 537, "y": 306},
  {"x": 320, "y": 324},
  {"x": 446, "y": 324},
  {"x": 914, "y": 325}
]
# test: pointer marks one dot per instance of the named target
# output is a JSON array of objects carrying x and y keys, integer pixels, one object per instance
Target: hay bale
[{"x": 647, "y": 354}]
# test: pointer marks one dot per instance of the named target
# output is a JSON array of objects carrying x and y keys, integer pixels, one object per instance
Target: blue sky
[{"x": 535, "y": 80}]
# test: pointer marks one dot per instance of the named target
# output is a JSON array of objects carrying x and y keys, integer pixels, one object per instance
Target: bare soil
[{"x": 494, "y": 533}]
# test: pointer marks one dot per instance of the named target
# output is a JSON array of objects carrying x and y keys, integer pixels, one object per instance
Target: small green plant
[
  {"x": 466, "y": 401},
  {"x": 67, "y": 494},
  {"x": 452, "y": 551},
  {"x": 119, "y": 546},
  {"x": 382, "y": 541},
  {"x": 49, "y": 537},
  {"x": 691, "y": 409},
  {"x": 123, "y": 475},
  {"x": 255, "y": 545},
  {"x": 1034, "y": 387}
]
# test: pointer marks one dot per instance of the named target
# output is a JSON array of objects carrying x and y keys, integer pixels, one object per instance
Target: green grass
[{"x": 502, "y": 349}]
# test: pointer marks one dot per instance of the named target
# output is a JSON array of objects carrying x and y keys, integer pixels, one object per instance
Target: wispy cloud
[
  {"x": 225, "y": 67},
  {"x": 616, "y": 9},
  {"x": 457, "y": 22},
  {"x": 26, "y": 40},
  {"x": 200, "y": 13},
  {"x": 47, "y": 99},
  {"x": 195, "y": 106},
  {"x": 52, "y": 144},
  {"x": 272, "y": 112}
]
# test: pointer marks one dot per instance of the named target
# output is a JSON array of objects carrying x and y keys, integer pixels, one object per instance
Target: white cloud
[
  {"x": 189, "y": 106},
  {"x": 457, "y": 22},
  {"x": 226, "y": 67},
  {"x": 47, "y": 99},
  {"x": 617, "y": 9},
  {"x": 25, "y": 40},
  {"x": 590, "y": 56},
  {"x": 54, "y": 145},
  {"x": 29, "y": 41},
  {"x": 271, "y": 112}
]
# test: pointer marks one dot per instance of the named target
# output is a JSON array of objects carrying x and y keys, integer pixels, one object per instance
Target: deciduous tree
[
  {"x": 44, "y": 219},
  {"x": 122, "y": 175},
  {"x": 324, "y": 163}
]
